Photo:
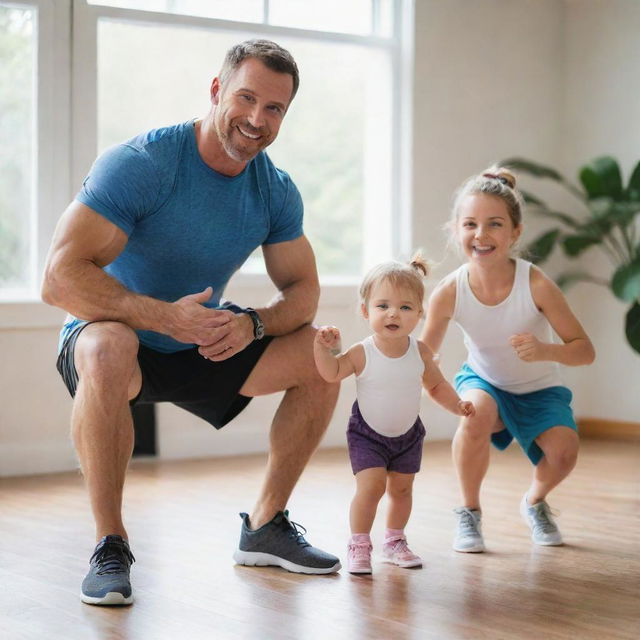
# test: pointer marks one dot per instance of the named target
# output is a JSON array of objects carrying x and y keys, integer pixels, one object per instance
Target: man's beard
[{"x": 229, "y": 137}]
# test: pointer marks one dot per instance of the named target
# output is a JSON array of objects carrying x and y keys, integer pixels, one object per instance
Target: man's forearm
[
  {"x": 290, "y": 309},
  {"x": 89, "y": 293}
]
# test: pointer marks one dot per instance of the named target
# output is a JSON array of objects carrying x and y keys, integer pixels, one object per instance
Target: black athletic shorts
[{"x": 205, "y": 388}]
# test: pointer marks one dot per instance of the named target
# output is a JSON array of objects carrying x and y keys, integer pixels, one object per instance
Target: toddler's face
[{"x": 393, "y": 312}]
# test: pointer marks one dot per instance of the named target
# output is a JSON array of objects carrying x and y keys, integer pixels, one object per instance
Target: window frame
[{"x": 51, "y": 133}]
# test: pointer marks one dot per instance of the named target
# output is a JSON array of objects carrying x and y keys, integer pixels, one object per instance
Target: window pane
[
  {"x": 17, "y": 100},
  {"x": 385, "y": 18},
  {"x": 351, "y": 16},
  {"x": 334, "y": 142},
  {"x": 240, "y": 10},
  {"x": 168, "y": 83}
]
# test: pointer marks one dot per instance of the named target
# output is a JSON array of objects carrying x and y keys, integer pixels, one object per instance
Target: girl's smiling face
[
  {"x": 392, "y": 312},
  {"x": 484, "y": 228}
]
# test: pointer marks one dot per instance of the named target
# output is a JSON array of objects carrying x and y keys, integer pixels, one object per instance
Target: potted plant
[{"x": 609, "y": 220}]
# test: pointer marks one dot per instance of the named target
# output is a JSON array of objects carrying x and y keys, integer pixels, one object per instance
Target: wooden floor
[{"x": 183, "y": 524}]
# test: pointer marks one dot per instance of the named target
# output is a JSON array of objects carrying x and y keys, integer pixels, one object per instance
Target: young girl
[
  {"x": 385, "y": 433},
  {"x": 507, "y": 309}
]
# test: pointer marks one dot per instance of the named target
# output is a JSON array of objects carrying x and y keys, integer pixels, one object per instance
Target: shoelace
[
  {"x": 468, "y": 523},
  {"x": 360, "y": 551},
  {"x": 111, "y": 557},
  {"x": 296, "y": 531},
  {"x": 400, "y": 547},
  {"x": 542, "y": 520}
]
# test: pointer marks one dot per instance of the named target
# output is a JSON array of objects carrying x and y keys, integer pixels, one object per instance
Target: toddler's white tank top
[
  {"x": 487, "y": 330},
  {"x": 389, "y": 389}
]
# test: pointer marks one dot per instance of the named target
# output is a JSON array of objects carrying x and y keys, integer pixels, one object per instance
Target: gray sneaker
[
  {"x": 468, "y": 537},
  {"x": 107, "y": 582},
  {"x": 281, "y": 543},
  {"x": 544, "y": 530}
]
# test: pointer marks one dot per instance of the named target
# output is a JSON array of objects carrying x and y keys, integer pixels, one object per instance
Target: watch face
[{"x": 258, "y": 326}]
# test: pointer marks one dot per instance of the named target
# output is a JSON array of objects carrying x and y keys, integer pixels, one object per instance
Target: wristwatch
[{"x": 258, "y": 325}]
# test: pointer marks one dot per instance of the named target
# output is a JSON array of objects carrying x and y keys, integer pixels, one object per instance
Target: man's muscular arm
[
  {"x": 292, "y": 268},
  {"x": 74, "y": 280}
]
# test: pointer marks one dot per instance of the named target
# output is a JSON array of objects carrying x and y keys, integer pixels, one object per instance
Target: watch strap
[{"x": 258, "y": 325}]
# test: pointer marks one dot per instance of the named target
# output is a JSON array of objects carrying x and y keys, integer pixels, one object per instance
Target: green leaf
[
  {"x": 530, "y": 199},
  {"x": 532, "y": 168},
  {"x": 575, "y": 245},
  {"x": 623, "y": 213},
  {"x": 633, "y": 190},
  {"x": 604, "y": 216},
  {"x": 602, "y": 177},
  {"x": 569, "y": 278},
  {"x": 600, "y": 206},
  {"x": 632, "y": 326},
  {"x": 560, "y": 217},
  {"x": 626, "y": 281},
  {"x": 539, "y": 249}
]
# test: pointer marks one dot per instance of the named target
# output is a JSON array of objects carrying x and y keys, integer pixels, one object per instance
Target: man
[{"x": 140, "y": 260}]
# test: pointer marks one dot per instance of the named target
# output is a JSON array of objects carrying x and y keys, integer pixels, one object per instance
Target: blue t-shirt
[{"x": 188, "y": 226}]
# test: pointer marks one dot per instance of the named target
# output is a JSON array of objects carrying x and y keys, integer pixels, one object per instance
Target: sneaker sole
[
  {"x": 548, "y": 544},
  {"x": 110, "y": 599},
  {"x": 476, "y": 549},
  {"x": 259, "y": 559},
  {"x": 361, "y": 573},
  {"x": 414, "y": 564},
  {"x": 409, "y": 565}
]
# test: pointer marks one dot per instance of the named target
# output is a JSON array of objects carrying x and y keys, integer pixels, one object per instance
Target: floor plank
[{"x": 183, "y": 524}]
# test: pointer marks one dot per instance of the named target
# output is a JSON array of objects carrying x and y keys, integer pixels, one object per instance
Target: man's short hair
[{"x": 272, "y": 55}]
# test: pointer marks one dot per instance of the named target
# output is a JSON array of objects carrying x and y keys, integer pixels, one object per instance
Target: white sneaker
[
  {"x": 544, "y": 530},
  {"x": 468, "y": 537}
]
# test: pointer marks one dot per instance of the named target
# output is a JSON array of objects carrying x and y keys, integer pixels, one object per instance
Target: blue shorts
[{"x": 525, "y": 415}]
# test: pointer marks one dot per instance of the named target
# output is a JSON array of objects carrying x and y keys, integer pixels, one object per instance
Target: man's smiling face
[{"x": 249, "y": 108}]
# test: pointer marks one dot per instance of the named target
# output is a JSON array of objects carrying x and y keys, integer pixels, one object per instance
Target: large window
[
  {"x": 141, "y": 64},
  {"x": 17, "y": 151}
]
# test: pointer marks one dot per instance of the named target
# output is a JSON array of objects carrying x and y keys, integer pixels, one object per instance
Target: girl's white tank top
[
  {"x": 389, "y": 389},
  {"x": 487, "y": 330}
]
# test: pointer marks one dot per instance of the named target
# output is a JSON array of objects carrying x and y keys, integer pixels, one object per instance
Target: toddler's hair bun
[{"x": 419, "y": 263}]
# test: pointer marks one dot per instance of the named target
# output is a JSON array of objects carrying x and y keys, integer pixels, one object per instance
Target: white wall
[
  {"x": 35, "y": 408},
  {"x": 602, "y": 116},
  {"x": 493, "y": 78}
]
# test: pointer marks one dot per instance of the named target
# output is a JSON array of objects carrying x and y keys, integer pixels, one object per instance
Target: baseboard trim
[{"x": 601, "y": 429}]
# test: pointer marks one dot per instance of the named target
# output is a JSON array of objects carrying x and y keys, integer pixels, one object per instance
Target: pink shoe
[
  {"x": 396, "y": 551},
  {"x": 359, "y": 557}
]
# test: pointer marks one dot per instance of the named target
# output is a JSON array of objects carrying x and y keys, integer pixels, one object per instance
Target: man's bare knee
[
  {"x": 107, "y": 350},
  {"x": 318, "y": 387},
  {"x": 288, "y": 364}
]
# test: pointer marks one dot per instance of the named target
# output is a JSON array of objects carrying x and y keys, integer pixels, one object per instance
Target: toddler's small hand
[
  {"x": 328, "y": 337},
  {"x": 466, "y": 408}
]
